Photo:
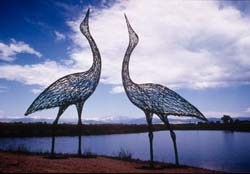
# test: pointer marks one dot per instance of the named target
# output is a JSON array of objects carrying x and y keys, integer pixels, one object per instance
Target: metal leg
[
  {"x": 79, "y": 107},
  {"x": 173, "y": 136},
  {"x": 60, "y": 112},
  {"x": 53, "y": 138},
  {"x": 149, "y": 117}
]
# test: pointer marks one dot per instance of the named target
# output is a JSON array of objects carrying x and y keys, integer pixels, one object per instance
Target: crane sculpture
[
  {"x": 154, "y": 98},
  {"x": 73, "y": 89}
]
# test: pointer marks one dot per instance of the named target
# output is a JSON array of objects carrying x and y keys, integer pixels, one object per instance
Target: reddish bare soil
[{"x": 10, "y": 162}]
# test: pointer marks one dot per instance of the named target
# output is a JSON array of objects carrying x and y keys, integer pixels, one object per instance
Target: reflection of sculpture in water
[
  {"x": 154, "y": 98},
  {"x": 71, "y": 89}
]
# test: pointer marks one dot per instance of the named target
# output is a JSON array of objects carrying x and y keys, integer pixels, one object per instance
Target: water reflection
[{"x": 217, "y": 150}]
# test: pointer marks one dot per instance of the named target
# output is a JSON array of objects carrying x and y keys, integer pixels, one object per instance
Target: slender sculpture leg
[
  {"x": 53, "y": 136},
  {"x": 173, "y": 136},
  {"x": 149, "y": 117},
  {"x": 60, "y": 112},
  {"x": 79, "y": 107}
]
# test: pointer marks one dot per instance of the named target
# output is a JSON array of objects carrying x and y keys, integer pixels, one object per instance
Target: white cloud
[
  {"x": 183, "y": 44},
  {"x": 192, "y": 44},
  {"x": 38, "y": 74},
  {"x": 9, "y": 52},
  {"x": 117, "y": 89},
  {"x": 36, "y": 91},
  {"x": 248, "y": 110},
  {"x": 59, "y": 36}
]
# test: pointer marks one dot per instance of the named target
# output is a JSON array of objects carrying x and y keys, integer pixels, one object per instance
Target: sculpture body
[
  {"x": 154, "y": 98},
  {"x": 71, "y": 89}
]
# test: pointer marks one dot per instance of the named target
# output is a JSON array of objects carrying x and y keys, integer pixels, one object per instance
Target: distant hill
[
  {"x": 35, "y": 120},
  {"x": 118, "y": 120}
]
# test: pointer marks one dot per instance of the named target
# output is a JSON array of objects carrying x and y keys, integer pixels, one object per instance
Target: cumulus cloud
[
  {"x": 38, "y": 74},
  {"x": 59, "y": 36},
  {"x": 9, "y": 52},
  {"x": 183, "y": 44}
]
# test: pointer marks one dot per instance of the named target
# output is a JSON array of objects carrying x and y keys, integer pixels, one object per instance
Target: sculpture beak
[
  {"x": 132, "y": 34},
  {"x": 86, "y": 19},
  {"x": 127, "y": 22},
  {"x": 84, "y": 26}
]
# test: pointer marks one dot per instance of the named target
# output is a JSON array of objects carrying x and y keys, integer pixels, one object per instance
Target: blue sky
[{"x": 200, "y": 49}]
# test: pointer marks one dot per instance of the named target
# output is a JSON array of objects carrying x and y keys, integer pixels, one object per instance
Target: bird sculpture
[
  {"x": 73, "y": 89},
  {"x": 154, "y": 98}
]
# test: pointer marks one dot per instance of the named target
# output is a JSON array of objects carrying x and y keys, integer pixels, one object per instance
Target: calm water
[{"x": 219, "y": 150}]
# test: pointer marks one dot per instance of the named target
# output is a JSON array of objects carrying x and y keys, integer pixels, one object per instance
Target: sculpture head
[
  {"x": 84, "y": 26},
  {"x": 133, "y": 37}
]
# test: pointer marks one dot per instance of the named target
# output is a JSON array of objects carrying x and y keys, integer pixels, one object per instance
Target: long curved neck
[
  {"x": 133, "y": 41},
  {"x": 95, "y": 69},
  {"x": 96, "y": 66},
  {"x": 126, "y": 80}
]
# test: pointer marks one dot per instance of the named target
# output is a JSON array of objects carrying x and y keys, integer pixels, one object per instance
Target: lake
[{"x": 218, "y": 150}]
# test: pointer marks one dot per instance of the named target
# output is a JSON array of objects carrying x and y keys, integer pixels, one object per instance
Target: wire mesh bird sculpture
[
  {"x": 154, "y": 98},
  {"x": 73, "y": 89}
]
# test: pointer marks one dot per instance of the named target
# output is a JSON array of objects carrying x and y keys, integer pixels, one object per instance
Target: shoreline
[
  {"x": 33, "y": 162},
  {"x": 12, "y": 130}
]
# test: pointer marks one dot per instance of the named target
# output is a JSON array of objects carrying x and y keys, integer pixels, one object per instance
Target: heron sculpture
[
  {"x": 73, "y": 89},
  {"x": 154, "y": 98}
]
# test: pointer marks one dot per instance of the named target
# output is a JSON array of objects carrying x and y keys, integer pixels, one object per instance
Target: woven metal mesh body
[
  {"x": 68, "y": 90},
  {"x": 74, "y": 88},
  {"x": 160, "y": 100},
  {"x": 153, "y": 98}
]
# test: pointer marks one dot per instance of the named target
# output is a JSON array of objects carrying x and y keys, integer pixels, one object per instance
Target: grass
[
  {"x": 88, "y": 154},
  {"x": 20, "y": 149},
  {"x": 24, "y": 150},
  {"x": 125, "y": 155}
]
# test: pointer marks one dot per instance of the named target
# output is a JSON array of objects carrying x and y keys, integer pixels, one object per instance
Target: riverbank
[
  {"x": 45, "y": 129},
  {"x": 34, "y": 163}
]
